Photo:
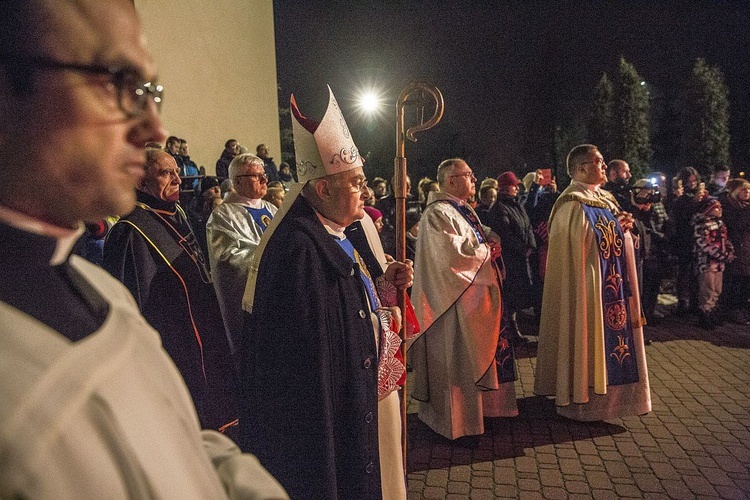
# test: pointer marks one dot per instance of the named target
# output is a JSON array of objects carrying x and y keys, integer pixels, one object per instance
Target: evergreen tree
[
  {"x": 602, "y": 125},
  {"x": 705, "y": 119},
  {"x": 631, "y": 137}
]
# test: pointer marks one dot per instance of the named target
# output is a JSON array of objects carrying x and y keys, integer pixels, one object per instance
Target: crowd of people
[{"x": 267, "y": 314}]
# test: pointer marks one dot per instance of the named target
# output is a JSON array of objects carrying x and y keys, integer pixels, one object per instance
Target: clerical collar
[
  {"x": 154, "y": 202},
  {"x": 64, "y": 237},
  {"x": 333, "y": 228}
]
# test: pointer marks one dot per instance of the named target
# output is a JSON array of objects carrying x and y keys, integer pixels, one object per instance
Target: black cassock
[
  {"x": 154, "y": 253},
  {"x": 309, "y": 365}
]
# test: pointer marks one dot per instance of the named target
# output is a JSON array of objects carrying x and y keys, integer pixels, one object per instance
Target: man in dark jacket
[
  {"x": 231, "y": 149},
  {"x": 509, "y": 220},
  {"x": 618, "y": 182}
]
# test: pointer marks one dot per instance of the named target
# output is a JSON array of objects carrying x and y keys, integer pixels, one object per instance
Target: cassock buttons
[
  {"x": 368, "y": 417},
  {"x": 370, "y": 467},
  {"x": 362, "y": 314},
  {"x": 367, "y": 363}
]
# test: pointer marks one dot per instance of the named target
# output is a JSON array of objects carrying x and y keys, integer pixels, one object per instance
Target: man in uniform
[
  {"x": 318, "y": 348},
  {"x": 591, "y": 351},
  {"x": 463, "y": 369},
  {"x": 233, "y": 232},
  {"x": 155, "y": 254},
  {"x": 90, "y": 404}
]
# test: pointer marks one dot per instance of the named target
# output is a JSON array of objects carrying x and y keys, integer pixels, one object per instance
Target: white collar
[
  {"x": 65, "y": 237},
  {"x": 332, "y": 227}
]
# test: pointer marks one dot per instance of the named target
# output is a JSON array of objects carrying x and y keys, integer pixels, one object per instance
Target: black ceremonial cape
[
  {"x": 309, "y": 366},
  {"x": 154, "y": 253}
]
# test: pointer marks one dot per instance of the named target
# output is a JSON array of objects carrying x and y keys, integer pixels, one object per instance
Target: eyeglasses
[
  {"x": 258, "y": 177},
  {"x": 133, "y": 92},
  {"x": 360, "y": 185},
  {"x": 469, "y": 175},
  {"x": 599, "y": 162}
]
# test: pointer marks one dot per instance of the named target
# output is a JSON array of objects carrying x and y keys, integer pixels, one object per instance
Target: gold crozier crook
[{"x": 422, "y": 91}]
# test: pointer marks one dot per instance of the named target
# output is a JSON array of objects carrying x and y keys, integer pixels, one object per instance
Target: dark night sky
[{"x": 509, "y": 71}]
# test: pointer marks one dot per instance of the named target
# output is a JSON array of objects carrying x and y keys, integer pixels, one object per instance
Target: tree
[
  {"x": 601, "y": 127},
  {"x": 631, "y": 131},
  {"x": 704, "y": 112}
]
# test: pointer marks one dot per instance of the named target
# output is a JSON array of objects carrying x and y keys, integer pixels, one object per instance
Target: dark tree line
[{"x": 620, "y": 126}]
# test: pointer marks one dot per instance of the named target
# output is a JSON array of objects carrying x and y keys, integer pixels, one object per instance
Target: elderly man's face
[
  {"x": 349, "y": 193},
  {"x": 251, "y": 181},
  {"x": 460, "y": 182},
  {"x": 162, "y": 179},
  {"x": 81, "y": 153}
]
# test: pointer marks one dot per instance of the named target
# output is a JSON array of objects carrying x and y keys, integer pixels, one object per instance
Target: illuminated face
[
  {"x": 378, "y": 224},
  {"x": 380, "y": 189},
  {"x": 163, "y": 179},
  {"x": 82, "y": 154},
  {"x": 461, "y": 181},
  {"x": 174, "y": 148},
  {"x": 184, "y": 149},
  {"x": 715, "y": 212},
  {"x": 720, "y": 178},
  {"x": 262, "y": 151},
  {"x": 743, "y": 193},
  {"x": 277, "y": 199},
  {"x": 349, "y": 193},
  {"x": 593, "y": 170},
  {"x": 622, "y": 174},
  {"x": 490, "y": 197},
  {"x": 251, "y": 181}
]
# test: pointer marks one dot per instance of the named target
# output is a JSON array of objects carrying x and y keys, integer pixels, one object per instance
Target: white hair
[{"x": 242, "y": 160}]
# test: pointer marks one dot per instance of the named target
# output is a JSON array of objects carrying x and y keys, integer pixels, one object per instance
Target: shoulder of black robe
[{"x": 309, "y": 366}]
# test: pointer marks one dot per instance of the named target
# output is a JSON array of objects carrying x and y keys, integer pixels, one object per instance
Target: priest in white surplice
[
  {"x": 233, "y": 233},
  {"x": 459, "y": 359}
]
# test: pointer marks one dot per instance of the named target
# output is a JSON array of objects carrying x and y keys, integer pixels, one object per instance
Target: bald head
[{"x": 618, "y": 171}]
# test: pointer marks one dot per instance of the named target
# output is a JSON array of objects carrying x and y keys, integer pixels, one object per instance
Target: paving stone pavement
[{"x": 694, "y": 444}]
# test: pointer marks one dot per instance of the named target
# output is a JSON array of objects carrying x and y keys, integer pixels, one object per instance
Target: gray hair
[
  {"x": 445, "y": 167},
  {"x": 240, "y": 161}
]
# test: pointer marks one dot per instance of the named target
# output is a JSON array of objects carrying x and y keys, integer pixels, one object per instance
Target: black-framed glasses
[
  {"x": 257, "y": 177},
  {"x": 598, "y": 162},
  {"x": 133, "y": 92}
]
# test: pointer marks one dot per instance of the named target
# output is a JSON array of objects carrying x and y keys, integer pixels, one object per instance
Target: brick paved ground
[{"x": 695, "y": 443}]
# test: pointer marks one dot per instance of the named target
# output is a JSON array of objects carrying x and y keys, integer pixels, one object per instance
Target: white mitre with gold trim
[
  {"x": 323, "y": 148},
  {"x": 320, "y": 148}
]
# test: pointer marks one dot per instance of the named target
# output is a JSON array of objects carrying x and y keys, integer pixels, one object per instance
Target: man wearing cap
[
  {"x": 154, "y": 253},
  {"x": 463, "y": 370},
  {"x": 91, "y": 406},
  {"x": 318, "y": 346},
  {"x": 591, "y": 352},
  {"x": 509, "y": 220},
  {"x": 233, "y": 232}
]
